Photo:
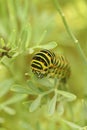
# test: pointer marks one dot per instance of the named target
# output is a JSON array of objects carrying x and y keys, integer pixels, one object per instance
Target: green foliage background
[{"x": 27, "y": 26}]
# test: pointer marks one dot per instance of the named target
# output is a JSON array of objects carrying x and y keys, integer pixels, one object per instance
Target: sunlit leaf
[
  {"x": 25, "y": 36},
  {"x": 16, "y": 54},
  {"x": 29, "y": 31},
  {"x": 35, "y": 104},
  {"x": 42, "y": 36},
  {"x": 69, "y": 96},
  {"x": 9, "y": 110},
  {"x": 49, "y": 45},
  {"x": 21, "y": 89},
  {"x": 16, "y": 98},
  {"x": 73, "y": 125},
  {"x": 52, "y": 105},
  {"x": 60, "y": 108},
  {"x": 5, "y": 86},
  {"x": 12, "y": 38}
]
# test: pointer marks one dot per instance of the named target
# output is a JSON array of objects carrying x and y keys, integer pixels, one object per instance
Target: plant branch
[{"x": 76, "y": 42}]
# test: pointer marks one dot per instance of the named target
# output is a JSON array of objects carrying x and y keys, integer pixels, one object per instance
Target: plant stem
[{"x": 76, "y": 42}]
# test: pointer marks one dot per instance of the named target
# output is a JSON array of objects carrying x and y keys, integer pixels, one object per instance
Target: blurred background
[{"x": 44, "y": 21}]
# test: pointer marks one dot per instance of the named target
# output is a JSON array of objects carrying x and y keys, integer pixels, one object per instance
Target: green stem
[{"x": 76, "y": 42}]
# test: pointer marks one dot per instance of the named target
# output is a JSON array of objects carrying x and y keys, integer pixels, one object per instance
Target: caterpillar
[{"x": 45, "y": 63}]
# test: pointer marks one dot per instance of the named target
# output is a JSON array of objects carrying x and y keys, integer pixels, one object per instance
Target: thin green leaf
[
  {"x": 35, "y": 104},
  {"x": 9, "y": 110},
  {"x": 71, "y": 124},
  {"x": 25, "y": 36},
  {"x": 50, "y": 45},
  {"x": 16, "y": 98},
  {"x": 16, "y": 54},
  {"x": 42, "y": 36},
  {"x": 20, "y": 89},
  {"x": 68, "y": 95},
  {"x": 5, "y": 86},
  {"x": 69, "y": 31},
  {"x": 52, "y": 104},
  {"x": 12, "y": 39},
  {"x": 60, "y": 109},
  {"x": 23, "y": 39},
  {"x": 29, "y": 31}
]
